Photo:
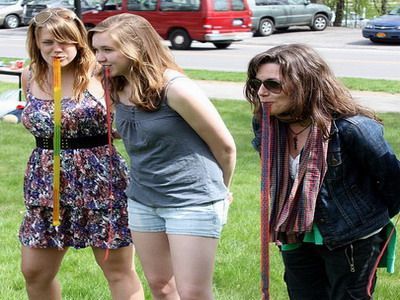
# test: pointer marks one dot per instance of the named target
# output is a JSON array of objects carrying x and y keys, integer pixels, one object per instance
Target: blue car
[{"x": 384, "y": 28}]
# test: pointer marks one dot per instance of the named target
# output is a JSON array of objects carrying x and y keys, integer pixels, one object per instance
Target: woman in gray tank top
[{"x": 182, "y": 158}]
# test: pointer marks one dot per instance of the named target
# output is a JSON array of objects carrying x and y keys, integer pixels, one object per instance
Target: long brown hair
[
  {"x": 66, "y": 27},
  {"x": 140, "y": 43},
  {"x": 309, "y": 82}
]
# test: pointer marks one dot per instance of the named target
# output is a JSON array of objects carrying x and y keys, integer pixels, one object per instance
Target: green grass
[
  {"x": 237, "y": 266},
  {"x": 358, "y": 84}
]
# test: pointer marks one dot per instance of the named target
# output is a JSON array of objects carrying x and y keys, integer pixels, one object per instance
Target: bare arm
[
  {"x": 186, "y": 98},
  {"x": 24, "y": 81}
]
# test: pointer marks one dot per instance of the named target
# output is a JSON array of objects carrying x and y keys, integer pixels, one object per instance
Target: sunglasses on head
[
  {"x": 272, "y": 85},
  {"x": 44, "y": 16}
]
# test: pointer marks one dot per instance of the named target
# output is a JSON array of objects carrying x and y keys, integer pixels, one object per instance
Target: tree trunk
[
  {"x": 339, "y": 13},
  {"x": 384, "y": 9}
]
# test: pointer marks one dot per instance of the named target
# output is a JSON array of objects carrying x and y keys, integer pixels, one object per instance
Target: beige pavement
[{"x": 381, "y": 102}]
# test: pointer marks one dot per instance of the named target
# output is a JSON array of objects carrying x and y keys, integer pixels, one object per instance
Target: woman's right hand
[{"x": 229, "y": 197}]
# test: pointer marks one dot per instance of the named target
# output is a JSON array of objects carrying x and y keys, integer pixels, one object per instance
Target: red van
[{"x": 220, "y": 22}]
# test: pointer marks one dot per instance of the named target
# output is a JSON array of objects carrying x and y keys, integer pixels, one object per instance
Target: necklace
[{"x": 296, "y": 134}]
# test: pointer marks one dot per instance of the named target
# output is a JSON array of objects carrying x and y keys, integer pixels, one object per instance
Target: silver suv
[
  {"x": 11, "y": 13},
  {"x": 269, "y": 15}
]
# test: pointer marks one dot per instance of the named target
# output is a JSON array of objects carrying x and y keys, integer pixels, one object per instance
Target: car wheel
[
  {"x": 320, "y": 23},
  {"x": 266, "y": 27},
  {"x": 222, "y": 45},
  {"x": 11, "y": 21},
  {"x": 180, "y": 40}
]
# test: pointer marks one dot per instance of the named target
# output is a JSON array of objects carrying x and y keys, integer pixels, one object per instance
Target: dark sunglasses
[{"x": 271, "y": 85}]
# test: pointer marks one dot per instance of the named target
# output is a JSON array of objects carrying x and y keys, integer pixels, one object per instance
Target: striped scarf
[{"x": 293, "y": 203}]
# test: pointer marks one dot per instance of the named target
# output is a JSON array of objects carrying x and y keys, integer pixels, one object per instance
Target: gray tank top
[{"x": 171, "y": 166}]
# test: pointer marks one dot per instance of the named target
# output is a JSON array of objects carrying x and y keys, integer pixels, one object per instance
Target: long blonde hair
[
  {"x": 309, "y": 82},
  {"x": 141, "y": 45},
  {"x": 66, "y": 27}
]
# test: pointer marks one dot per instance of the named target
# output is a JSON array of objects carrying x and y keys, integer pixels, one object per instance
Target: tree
[
  {"x": 339, "y": 13},
  {"x": 78, "y": 8}
]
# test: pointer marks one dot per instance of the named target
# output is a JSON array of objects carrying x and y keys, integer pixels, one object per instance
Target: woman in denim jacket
[{"x": 335, "y": 182}]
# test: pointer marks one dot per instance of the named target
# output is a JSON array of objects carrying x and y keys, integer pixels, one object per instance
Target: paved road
[{"x": 345, "y": 50}]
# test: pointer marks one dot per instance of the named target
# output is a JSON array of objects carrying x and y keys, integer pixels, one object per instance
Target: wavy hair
[
  {"x": 138, "y": 41},
  {"x": 66, "y": 27},
  {"x": 309, "y": 82}
]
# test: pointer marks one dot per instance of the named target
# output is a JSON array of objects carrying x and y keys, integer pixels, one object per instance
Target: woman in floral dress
[{"x": 93, "y": 176}]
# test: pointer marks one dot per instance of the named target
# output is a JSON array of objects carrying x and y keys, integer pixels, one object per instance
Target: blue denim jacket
[{"x": 361, "y": 189}]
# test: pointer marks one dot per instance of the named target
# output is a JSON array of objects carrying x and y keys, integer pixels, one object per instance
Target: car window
[
  {"x": 296, "y": 2},
  {"x": 272, "y": 2},
  {"x": 221, "y": 5},
  {"x": 9, "y": 2},
  {"x": 142, "y": 4},
  {"x": 179, "y": 5},
  {"x": 112, "y": 4},
  {"x": 395, "y": 11},
  {"x": 238, "y": 5},
  {"x": 41, "y": 2}
]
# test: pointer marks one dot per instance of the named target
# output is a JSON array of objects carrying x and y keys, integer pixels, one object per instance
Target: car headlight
[
  {"x": 398, "y": 27},
  {"x": 369, "y": 26}
]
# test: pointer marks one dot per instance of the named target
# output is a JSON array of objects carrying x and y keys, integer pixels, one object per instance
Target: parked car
[
  {"x": 36, "y": 6},
  {"x": 11, "y": 13},
  {"x": 269, "y": 15},
  {"x": 384, "y": 28},
  {"x": 220, "y": 22}
]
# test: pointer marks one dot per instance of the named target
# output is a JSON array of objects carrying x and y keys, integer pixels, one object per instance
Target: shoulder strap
[{"x": 168, "y": 84}]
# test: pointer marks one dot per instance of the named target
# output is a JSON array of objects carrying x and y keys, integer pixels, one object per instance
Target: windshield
[
  {"x": 9, "y": 2},
  {"x": 395, "y": 11},
  {"x": 59, "y": 2}
]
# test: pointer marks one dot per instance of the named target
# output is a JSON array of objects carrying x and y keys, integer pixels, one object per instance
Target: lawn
[
  {"x": 237, "y": 266},
  {"x": 357, "y": 84}
]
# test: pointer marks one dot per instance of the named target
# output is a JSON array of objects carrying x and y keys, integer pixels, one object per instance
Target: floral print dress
[{"x": 88, "y": 215}]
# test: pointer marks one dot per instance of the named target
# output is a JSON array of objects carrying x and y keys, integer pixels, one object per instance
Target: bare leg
[
  {"x": 193, "y": 264},
  {"x": 120, "y": 273},
  {"x": 155, "y": 257},
  {"x": 40, "y": 267}
]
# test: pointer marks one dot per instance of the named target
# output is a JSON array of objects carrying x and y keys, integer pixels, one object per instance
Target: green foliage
[
  {"x": 8, "y": 60},
  {"x": 360, "y": 84},
  {"x": 237, "y": 264},
  {"x": 216, "y": 75},
  {"x": 372, "y": 85},
  {"x": 5, "y": 86}
]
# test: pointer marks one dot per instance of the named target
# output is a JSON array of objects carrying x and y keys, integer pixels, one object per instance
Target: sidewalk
[{"x": 378, "y": 101}]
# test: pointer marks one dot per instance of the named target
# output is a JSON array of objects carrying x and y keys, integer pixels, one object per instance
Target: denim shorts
[{"x": 201, "y": 220}]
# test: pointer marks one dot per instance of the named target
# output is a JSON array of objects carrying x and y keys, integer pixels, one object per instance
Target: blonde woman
[
  {"x": 182, "y": 158},
  {"x": 89, "y": 218}
]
